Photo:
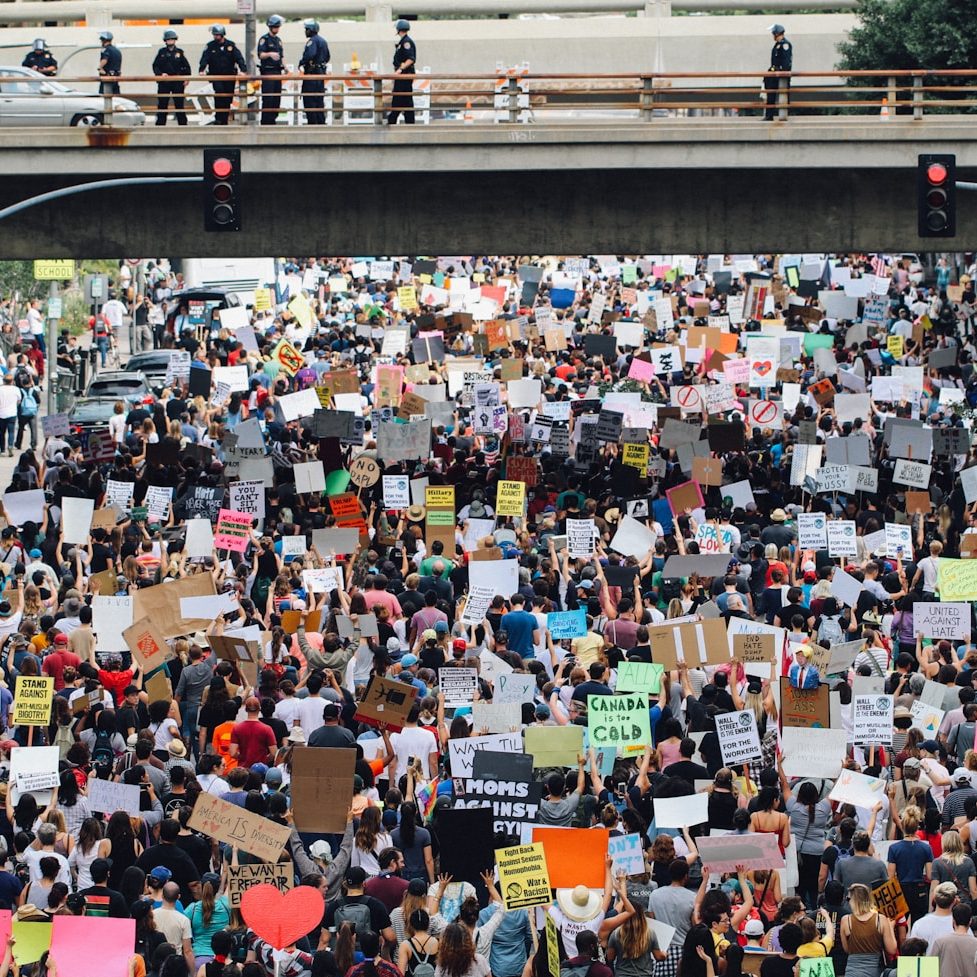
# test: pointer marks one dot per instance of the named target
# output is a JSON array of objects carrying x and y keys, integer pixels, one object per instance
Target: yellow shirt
[
  {"x": 819, "y": 948},
  {"x": 588, "y": 648}
]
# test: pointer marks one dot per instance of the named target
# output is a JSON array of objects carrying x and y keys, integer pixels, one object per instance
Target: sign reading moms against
[
  {"x": 386, "y": 701},
  {"x": 240, "y": 879},
  {"x": 619, "y": 720},
  {"x": 235, "y": 826},
  {"x": 523, "y": 877},
  {"x": 33, "y": 696},
  {"x": 738, "y": 737}
]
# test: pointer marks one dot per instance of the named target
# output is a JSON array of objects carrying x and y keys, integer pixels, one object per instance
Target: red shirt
[
  {"x": 115, "y": 682},
  {"x": 254, "y": 739},
  {"x": 54, "y": 665}
]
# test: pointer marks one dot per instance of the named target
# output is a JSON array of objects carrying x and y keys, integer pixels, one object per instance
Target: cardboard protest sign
[
  {"x": 235, "y": 826},
  {"x": 147, "y": 644},
  {"x": 33, "y": 697},
  {"x": 804, "y": 707},
  {"x": 386, "y": 701},
  {"x": 554, "y": 746},
  {"x": 523, "y": 878},
  {"x": 244, "y": 877},
  {"x": 619, "y": 720},
  {"x": 322, "y": 788},
  {"x": 574, "y": 856},
  {"x": 752, "y": 648},
  {"x": 890, "y": 900}
]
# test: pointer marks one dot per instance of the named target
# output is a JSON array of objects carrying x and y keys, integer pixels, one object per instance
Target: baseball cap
[
  {"x": 355, "y": 876},
  {"x": 61, "y": 638},
  {"x": 542, "y": 711},
  {"x": 273, "y": 777},
  {"x": 331, "y": 711},
  {"x": 441, "y": 627},
  {"x": 754, "y": 927},
  {"x": 408, "y": 660},
  {"x": 321, "y": 850},
  {"x": 429, "y": 634},
  {"x": 911, "y": 761},
  {"x": 260, "y": 769},
  {"x": 459, "y": 644},
  {"x": 161, "y": 873},
  {"x": 961, "y": 777},
  {"x": 930, "y": 746}
]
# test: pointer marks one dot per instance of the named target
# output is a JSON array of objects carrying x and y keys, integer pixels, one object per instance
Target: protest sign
[
  {"x": 804, "y": 707},
  {"x": 503, "y": 783},
  {"x": 233, "y": 530},
  {"x": 458, "y": 685},
  {"x": 957, "y": 579},
  {"x": 243, "y": 877},
  {"x": 872, "y": 718},
  {"x": 33, "y": 696},
  {"x": 322, "y": 788},
  {"x": 890, "y": 900},
  {"x": 628, "y": 857},
  {"x": 496, "y": 717},
  {"x": 34, "y": 768},
  {"x": 739, "y": 740},
  {"x": 751, "y": 648},
  {"x": 461, "y": 752},
  {"x": 86, "y": 945},
  {"x": 724, "y": 853},
  {"x": 619, "y": 720},
  {"x": 107, "y": 797},
  {"x": 842, "y": 538},
  {"x": 511, "y": 498},
  {"x": 816, "y": 967},
  {"x": 580, "y": 538},
  {"x": 639, "y": 677},
  {"x": 76, "y": 519},
  {"x": 566, "y": 624},
  {"x": 514, "y": 687},
  {"x": 467, "y": 842},
  {"x": 856, "y": 788},
  {"x": 147, "y": 644},
  {"x": 679, "y": 812},
  {"x": 812, "y": 530},
  {"x": 386, "y": 701},
  {"x": 942, "y": 620},
  {"x": 235, "y": 826},
  {"x": 574, "y": 856},
  {"x": 812, "y": 752},
  {"x": 552, "y": 746}
]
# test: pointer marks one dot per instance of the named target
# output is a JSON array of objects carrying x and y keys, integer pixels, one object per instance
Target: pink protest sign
[
  {"x": 86, "y": 945},
  {"x": 641, "y": 370},
  {"x": 752, "y": 850},
  {"x": 233, "y": 530}
]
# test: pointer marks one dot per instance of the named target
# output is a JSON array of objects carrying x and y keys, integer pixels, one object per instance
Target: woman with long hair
[
  {"x": 372, "y": 965},
  {"x": 133, "y": 885},
  {"x": 767, "y": 820},
  {"x": 73, "y": 804},
  {"x": 956, "y": 866},
  {"x": 698, "y": 953},
  {"x": 420, "y": 947},
  {"x": 415, "y": 843},
  {"x": 810, "y": 818},
  {"x": 85, "y": 852},
  {"x": 415, "y": 897},
  {"x": 633, "y": 948},
  {"x": 209, "y": 915},
  {"x": 120, "y": 846},
  {"x": 865, "y": 934},
  {"x": 457, "y": 956},
  {"x": 370, "y": 840}
]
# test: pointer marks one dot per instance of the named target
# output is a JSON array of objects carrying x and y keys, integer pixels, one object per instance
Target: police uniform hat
[
  {"x": 39, "y": 44},
  {"x": 105, "y": 36},
  {"x": 218, "y": 29},
  {"x": 275, "y": 21},
  {"x": 311, "y": 25},
  {"x": 403, "y": 25},
  {"x": 169, "y": 35},
  {"x": 777, "y": 29}
]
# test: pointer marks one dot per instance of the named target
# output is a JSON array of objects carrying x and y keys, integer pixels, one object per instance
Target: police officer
[
  {"x": 170, "y": 62},
  {"x": 781, "y": 59},
  {"x": 315, "y": 57},
  {"x": 405, "y": 59},
  {"x": 222, "y": 57},
  {"x": 41, "y": 59},
  {"x": 109, "y": 65},
  {"x": 271, "y": 65}
]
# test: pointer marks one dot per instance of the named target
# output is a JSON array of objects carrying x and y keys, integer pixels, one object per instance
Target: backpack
[
  {"x": 103, "y": 756},
  {"x": 580, "y": 970},
  {"x": 28, "y": 404},
  {"x": 417, "y": 965},
  {"x": 829, "y": 631},
  {"x": 356, "y": 913},
  {"x": 843, "y": 855},
  {"x": 671, "y": 588}
]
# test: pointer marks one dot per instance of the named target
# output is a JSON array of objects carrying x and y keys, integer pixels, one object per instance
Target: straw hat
[
  {"x": 579, "y": 903},
  {"x": 416, "y": 513}
]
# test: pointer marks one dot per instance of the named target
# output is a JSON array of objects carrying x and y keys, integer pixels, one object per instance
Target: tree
[
  {"x": 18, "y": 276},
  {"x": 896, "y": 35}
]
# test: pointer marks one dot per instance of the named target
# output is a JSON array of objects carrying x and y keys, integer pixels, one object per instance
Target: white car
[{"x": 28, "y": 98}]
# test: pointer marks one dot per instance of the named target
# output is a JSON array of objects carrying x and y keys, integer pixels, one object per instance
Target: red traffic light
[
  {"x": 221, "y": 168},
  {"x": 936, "y": 173}
]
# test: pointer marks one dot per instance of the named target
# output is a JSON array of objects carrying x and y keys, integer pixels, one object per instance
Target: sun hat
[{"x": 579, "y": 903}]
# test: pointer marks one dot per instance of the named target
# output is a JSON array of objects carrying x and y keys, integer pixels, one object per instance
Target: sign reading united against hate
[
  {"x": 510, "y": 499},
  {"x": 33, "y": 696}
]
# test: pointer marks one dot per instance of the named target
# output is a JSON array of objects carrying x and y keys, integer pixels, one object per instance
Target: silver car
[{"x": 28, "y": 98}]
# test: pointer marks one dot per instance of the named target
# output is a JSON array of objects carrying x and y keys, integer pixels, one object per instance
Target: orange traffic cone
[
  {"x": 884, "y": 114},
  {"x": 469, "y": 117}
]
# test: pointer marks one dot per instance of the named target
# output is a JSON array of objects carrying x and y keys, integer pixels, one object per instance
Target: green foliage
[
  {"x": 18, "y": 276},
  {"x": 903, "y": 34}
]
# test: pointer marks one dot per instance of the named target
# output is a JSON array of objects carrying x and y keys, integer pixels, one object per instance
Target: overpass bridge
[{"x": 628, "y": 177}]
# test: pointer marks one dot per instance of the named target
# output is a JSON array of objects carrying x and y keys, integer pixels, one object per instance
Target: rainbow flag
[{"x": 426, "y": 796}]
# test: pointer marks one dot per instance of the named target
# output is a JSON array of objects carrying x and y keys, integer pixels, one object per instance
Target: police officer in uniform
[
  {"x": 315, "y": 57},
  {"x": 222, "y": 57},
  {"x": 41, "y": 59},
  {"x": 109, "y": 65},
  {"x": 781, "y": 59},
  {"x": 405, "y": 59},
  {"x": 170, "y": 62},
  {"x": 271, "y": 65}
]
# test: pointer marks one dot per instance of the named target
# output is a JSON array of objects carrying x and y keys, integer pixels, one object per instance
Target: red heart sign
[
  {"x": 282, "y": 918},
  {"x": 762, "y": 367}
]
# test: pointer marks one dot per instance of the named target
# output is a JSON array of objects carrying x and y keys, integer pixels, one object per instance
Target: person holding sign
[{"x": 865, "y": 933}]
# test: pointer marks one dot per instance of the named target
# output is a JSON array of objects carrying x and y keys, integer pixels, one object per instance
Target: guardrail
[
  {"x": 366, "y": 98},
  {"x": 102, "y": 12}
]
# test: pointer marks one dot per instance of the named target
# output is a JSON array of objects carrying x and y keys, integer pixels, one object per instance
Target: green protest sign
[
  {"x": 639, "y": 677},
  {"x": 619, "y": 720}
]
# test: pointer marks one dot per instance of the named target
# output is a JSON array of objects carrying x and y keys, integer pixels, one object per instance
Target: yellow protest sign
[
  {"x": 511, "y": 498},
  {"x": 523, "y": 878},
  {"x": 290, "y": 359},
  {"x": 635, "y": 455},
  {"x": 32, "y": 700},
  {"x": 407, "y": 297},
  {"x": 552, "y": 945},
  {"x": 894, "y": 346},
  {"x": 957, "y": 579},
  {"x": 302, "y": 310},
  {"x": 440, "y": 496},
  {"x": 262, "y": 299}
]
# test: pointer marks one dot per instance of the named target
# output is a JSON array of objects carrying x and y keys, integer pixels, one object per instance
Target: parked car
[
  {"x": 91, "y": 414},
  {"x": 153, "y": 364},
  {"x": 129, "y": 387},
  {"x": 28, "y": 98}
]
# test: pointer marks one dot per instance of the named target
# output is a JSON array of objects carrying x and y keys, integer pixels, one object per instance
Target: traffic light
[
  {"x": 222, "y": 189},
  {"x": 936, "y": 195}
]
